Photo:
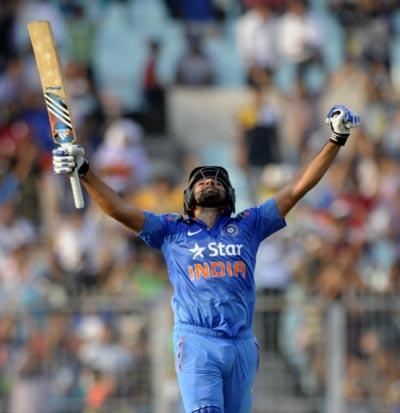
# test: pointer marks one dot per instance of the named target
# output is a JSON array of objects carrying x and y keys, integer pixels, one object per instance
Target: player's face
[{"x": 209, "y": 193}]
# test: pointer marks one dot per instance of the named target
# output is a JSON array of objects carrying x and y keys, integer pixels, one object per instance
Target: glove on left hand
[{"x": 341, "y": 119}]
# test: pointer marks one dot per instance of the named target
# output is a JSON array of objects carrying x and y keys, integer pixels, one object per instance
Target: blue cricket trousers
[{"x": 215, "y": 370}]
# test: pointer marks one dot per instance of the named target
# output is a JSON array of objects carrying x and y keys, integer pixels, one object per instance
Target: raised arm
[
  {"x": 64, "y": 162},
  {"x": 340, "y": 119}
]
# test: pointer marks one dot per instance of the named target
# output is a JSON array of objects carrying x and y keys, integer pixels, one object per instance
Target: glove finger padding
[
  {"x": 62, "y": 159},
  {"x": 352, "y": 120},
  {"x": 63, "y": 170},
  {"x": 59, "y": 152},
  {"x": 64, "y": 164}
]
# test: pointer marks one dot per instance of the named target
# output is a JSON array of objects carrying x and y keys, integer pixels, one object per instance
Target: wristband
[
  {"x": 83, "y": 169},
  {"x": 338, "y": 139}
]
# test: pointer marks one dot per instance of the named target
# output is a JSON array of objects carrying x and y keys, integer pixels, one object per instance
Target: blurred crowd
[{"x": 122, "y": 58}]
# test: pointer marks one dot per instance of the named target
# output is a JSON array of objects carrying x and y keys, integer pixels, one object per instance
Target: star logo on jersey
[{"x": 197, "y": 251}]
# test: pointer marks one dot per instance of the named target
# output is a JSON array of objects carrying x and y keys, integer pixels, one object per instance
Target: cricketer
[{"x": 210, "y": 254}]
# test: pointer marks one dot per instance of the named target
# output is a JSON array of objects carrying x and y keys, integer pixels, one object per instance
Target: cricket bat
[{"x": 55, "y": 93}]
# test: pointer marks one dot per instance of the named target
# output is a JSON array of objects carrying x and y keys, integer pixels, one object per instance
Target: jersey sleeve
[
  {"x": 155, "y": 229},
  {"x": 267, "y": 219}
]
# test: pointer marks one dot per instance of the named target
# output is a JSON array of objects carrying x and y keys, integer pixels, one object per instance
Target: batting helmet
[{"x": 218, "y": 173}]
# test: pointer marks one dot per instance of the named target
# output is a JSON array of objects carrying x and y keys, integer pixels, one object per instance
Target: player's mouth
[{"x": 211, "y": 189}]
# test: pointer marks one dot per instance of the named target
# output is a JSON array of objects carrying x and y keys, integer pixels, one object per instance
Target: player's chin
[{"x": 211, "y": 199}]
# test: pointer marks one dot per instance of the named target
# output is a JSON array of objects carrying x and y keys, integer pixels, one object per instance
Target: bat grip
[{"x": 77, "y": 190}]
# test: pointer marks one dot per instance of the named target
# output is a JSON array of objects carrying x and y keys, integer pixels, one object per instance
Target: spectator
[
  {"x": 110, "y": 365},
  {"x": 256, "y": 33},
  {"x": 15, "y": 230},
  {"x": 148, "y": 276},
  {"x": 22, "y": 280},
  {"x": 121, "y": 158},
  {"x": 349, "y": 82},
  {"x": 300, "y": 37},
  {"x": 338, "y": 275},
  {"x": 13, "y": 79},
  {"x": 195, "y": 68},
  {"x": 83, "y": 97},
  {"x": 107, "y": 355},
  {"x": 81, "y": 31},
  {"x": 38, "y": 10},
  {"x": 273, "y": 275},
  {"x": 83, "y": 258},
  {"x": 154, "y": 94},
  {"x": 368, "y": 28},
  {"x": 12, "y": 183},
  {"x": 161, "y": 195},
  {"x": 298, "y": 120},
  {"x": 258, "y": 138}
]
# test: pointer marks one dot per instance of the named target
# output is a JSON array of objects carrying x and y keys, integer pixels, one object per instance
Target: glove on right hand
[{"x": 66, "y": 159}]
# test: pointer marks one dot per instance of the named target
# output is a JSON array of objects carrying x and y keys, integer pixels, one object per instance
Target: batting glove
[
  {"x": 66, "y": 159},
  {"x": 341, "y": 119}
]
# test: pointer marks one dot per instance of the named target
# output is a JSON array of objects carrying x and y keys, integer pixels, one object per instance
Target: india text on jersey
[{"x": 217, "y": 269}]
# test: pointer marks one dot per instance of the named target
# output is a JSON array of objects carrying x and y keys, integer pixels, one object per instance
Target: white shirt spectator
[
  {"x": 121, "y": 158},
  {"x": 298, "y": 35},
  {"x": 256, "y": 39}
]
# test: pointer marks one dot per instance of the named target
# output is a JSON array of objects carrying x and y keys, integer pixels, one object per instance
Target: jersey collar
[{"x": 220, "y": 221}]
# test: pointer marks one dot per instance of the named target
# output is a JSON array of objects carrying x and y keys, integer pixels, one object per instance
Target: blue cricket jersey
[{"x": 211, "y": 270}]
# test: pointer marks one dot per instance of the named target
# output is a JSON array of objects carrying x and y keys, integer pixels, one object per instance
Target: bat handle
[{"x": 77, "y": 190}]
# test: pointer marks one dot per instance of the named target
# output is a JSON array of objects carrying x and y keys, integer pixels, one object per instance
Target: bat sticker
[
  {"x": 58, "y": 108},
  {"x": 62, "y": 133}
]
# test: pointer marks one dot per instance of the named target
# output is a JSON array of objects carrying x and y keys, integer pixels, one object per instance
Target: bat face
[
  {"x": 55, "y": 94},
  {"x": 52, "y": 80},
  {"x": 60, "y": 119}
]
